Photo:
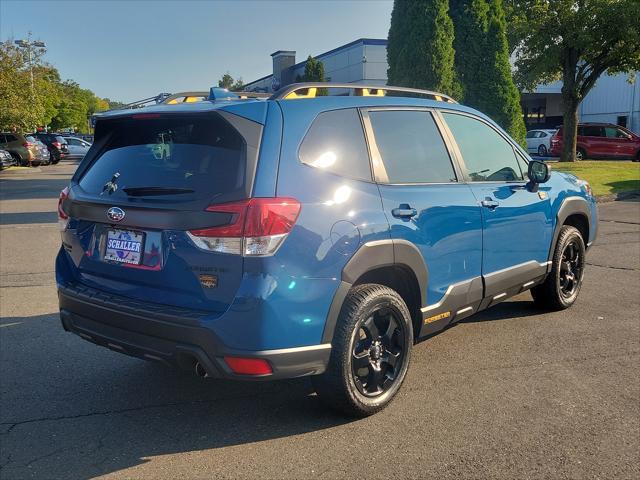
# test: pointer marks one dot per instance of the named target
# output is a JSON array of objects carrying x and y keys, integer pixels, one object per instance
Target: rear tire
[
  {"x": 370, "y": 354},
  {"x": 561, "y": 287},
  {"x": 580, "y": 154},
  {"x": 542, "y": 151}
]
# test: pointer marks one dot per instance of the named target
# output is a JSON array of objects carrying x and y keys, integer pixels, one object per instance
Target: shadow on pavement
[{"x": 71, "y": 409}]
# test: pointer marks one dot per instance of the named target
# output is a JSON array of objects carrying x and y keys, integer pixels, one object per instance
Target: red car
[{"x": 601, "y": 140}]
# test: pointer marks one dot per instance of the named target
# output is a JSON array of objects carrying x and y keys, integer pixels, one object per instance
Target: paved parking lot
[{"x": 511, "y": 393}]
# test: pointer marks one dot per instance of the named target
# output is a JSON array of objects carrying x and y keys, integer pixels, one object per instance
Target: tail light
[
  {"x": 63, "y": 218},
  {"x": 258, "y": 227},
  {"x": 56, "y": 144},
  {"x": 248, "y": 366},
  {"x": 27, "y": 144}
]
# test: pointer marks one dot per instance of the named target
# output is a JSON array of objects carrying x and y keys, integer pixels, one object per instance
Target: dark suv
[
  {"x": 601, "y": 140},
  {"x": 253, "y": 239},
  {"x": 56, "y": 144}
]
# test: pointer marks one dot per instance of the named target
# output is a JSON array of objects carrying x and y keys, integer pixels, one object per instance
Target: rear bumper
[{"x": 172, "y": 337}]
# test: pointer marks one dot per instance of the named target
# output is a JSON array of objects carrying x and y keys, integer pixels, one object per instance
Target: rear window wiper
[{"x": 150, "y": 191}]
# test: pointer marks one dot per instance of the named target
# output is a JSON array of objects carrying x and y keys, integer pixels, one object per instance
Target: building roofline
[
  {"x": 363, "y": 41},
  {"x": 280, "y": 52}
]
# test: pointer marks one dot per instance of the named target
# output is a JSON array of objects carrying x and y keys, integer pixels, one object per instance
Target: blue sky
[{"x": 127, "y": 50}]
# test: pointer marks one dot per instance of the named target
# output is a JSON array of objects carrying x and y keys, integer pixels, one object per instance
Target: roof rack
[
  {"x": 310, "y": 90},
  {"x": 219, "y": 93}
]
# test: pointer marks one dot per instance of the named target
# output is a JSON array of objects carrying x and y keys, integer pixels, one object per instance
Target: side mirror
[{"x": 539, "y": 172}]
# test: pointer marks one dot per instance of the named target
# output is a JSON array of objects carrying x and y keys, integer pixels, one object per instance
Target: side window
[
  {"x": 411, "y": 147},
  {"x": 486, "y": 154},
  {"x": 10, "y": 138},
  {"x": 335, "y": 143},
  {"x": 531, "y": 134},
  {"x": 592, "y": 131}
]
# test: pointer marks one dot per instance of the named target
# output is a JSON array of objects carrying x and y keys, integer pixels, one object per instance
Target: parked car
[
  {"x": 6, "y": 160},
  {"x": 77, "y": 147},
  {"x": 39, "y": 151},
  {"x": 316, "y": 236},
  {"x": 24, "y": 152},
  {"x": 539, "y": 141},
  {"x": 56, "y": 144},
  {"x": 601, "y": 140}
]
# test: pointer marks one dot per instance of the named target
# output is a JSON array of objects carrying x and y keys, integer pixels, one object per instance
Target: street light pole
[{"x": 28, "y": 45}]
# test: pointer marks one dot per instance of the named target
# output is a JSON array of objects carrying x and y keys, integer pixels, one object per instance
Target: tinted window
[
  {"x": 335, "y": 143},
  {"x": 487, "y": 155},
  {"x": 531, "y": 134},
  {"x": 411, "y": 147},
  {"x": 10, "y": 138},
  {"x": 203, "y": 156},
  {"x": 592, "y": 131},
  {"x": 612, "y": 132}
]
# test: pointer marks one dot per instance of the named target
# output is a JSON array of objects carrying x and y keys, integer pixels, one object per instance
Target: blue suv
[{"x": 320, "y": 232}]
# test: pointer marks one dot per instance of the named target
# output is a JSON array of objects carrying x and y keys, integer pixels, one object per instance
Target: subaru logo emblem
[{"x": 116, "y": 214}]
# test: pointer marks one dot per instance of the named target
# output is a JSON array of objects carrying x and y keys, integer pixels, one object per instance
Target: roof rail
[
  {"x": 310, "y": 89},
  {"x": 218, "y": 93}
]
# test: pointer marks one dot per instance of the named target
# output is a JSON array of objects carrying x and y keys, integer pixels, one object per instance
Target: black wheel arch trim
[
  {"x": 370, "y": 256},
  {"x": 571, "y": 206}
]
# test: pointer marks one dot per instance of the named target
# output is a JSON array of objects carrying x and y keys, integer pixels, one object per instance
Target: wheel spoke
[
  {"x": 360, "y": 360},
  {"x": 387, "y": 336},
  {"x": 375, "y": 379},
  {"x": 391, "y": 359},
  {"x": 371, "y": 328}
]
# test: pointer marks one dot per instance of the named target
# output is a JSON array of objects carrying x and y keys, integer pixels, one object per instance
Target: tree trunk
[
  {"x": 569, "y": 129},
  {"x": 570, "y": 102}
]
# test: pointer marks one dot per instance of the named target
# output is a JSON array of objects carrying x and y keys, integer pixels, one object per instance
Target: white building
[{"x": 613, "y": 99}]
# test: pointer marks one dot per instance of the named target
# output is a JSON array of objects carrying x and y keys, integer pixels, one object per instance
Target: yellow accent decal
[
  {"x": 311, "y": 93},
  {"x": 372, "y": 92},
  {"x": 435, "y": 318}
]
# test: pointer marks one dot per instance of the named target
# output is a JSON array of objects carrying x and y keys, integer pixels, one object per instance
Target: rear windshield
[{"x": 185, "y": 157}]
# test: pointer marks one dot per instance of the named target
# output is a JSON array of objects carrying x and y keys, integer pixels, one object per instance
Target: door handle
[
  {"x": 489, "y": 203},
  {"x": 404, "y": 211}
]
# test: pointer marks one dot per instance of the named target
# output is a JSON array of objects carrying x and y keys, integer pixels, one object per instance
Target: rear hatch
[{"x": 144, "y": 185}]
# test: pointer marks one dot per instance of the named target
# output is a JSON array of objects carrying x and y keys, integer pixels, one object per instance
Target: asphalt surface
[{"x": 510, "y": 393}]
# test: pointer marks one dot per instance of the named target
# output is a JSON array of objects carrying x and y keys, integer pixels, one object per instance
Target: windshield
[{"x": 198, "y": 156}]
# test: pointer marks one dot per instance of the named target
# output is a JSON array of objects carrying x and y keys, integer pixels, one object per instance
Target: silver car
[
  {"x": 539, "y": 141},
  {"x": 77, "y": 147}
]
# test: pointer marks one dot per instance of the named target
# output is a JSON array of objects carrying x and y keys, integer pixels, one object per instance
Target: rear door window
[
  {"x": 188, "y": 157},
  {"x": 488, "y": 156},
  {"x": 592, "y": 131},
  {"x": 335, "y": 143},
  {"x": 411, "y": 147}
]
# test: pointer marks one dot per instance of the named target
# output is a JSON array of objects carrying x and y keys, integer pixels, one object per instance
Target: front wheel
[
  {"x": 370, "y": 352},
  {"x": 562, "y": 285},
  {"x": 580, "y": 154}
]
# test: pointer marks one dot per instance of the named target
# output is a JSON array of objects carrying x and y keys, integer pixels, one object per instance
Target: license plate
[{"x": 124, "y": 246}]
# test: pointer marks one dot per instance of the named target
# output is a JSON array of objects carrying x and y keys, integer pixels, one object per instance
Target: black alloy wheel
[{"x": 378, "y": 351}]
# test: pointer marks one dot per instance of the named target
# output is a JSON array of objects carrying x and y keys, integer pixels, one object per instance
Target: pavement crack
[
  {"x": 620, "y": 221},
  {"x": 630, "y": 269},
  {"x": 12, "y": 425}
]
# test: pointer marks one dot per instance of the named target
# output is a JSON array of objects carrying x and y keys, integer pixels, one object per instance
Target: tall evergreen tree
[
  {"x": 420, "y": 49},
  {"x": 482, "y": 63}
]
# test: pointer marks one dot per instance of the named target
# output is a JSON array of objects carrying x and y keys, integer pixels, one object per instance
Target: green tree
[
  {"x": 313, "y": 72},
  {"x": 20, "y": 106},
  {"x": 575, "y": 41},
  {"x": 482, "y": 63},
  {"x": 228, "y": 82},
  {"x": 420, "y": 50}
]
